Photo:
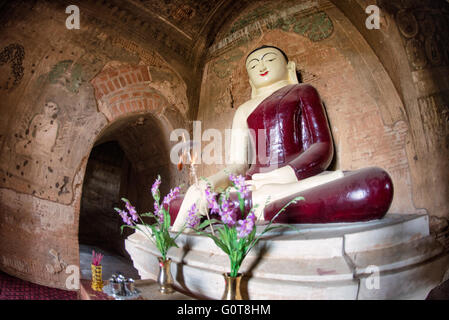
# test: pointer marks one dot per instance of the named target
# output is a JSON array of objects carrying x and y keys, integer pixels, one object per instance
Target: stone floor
[{"x": 112, "y": 263}]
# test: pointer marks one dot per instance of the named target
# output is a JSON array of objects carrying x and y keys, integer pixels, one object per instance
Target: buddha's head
[{"x": 268, "y": 65}]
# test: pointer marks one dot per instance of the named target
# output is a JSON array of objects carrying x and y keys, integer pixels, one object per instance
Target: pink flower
[{"x": 96, "y": 258}]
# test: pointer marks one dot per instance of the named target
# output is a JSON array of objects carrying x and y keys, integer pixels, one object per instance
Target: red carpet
[{"x": 15, "y": 289}]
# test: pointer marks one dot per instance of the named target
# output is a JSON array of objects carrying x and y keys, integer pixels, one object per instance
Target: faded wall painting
[{"x": 40, "y": 157}]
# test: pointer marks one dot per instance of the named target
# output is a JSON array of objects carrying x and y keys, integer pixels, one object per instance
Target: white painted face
[{"x": 266, "y": 66}]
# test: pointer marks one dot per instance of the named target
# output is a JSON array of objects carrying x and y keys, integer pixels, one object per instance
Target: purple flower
[
  {"x": 155, "y": 187},
  {"x": 157, "y": 209},
  {"x": 132, "y": 210},
  {"x": 192, "y": 219},
  {"x": 158, "y": 212},
  {"x": 227, "y": 212},
  {"x": 169, "y": 197},
  {"x": 239, "y": 184},
  {"x": 245, "y": 227},
  {"x": 126, "y": 219},
  {"x": 211, "y": 198}
]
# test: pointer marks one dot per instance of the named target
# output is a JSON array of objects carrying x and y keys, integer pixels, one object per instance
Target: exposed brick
[
  {"x": 103, "y": 87},
  {"x": 114, "y": 99},
  {"x": 114, "y": 110},
  {"x": 110, "y": 86},
  {"x": 134, "y": 77},
  {"x": 128, "y": 79},
  {"x": 122, "y": 81},
  {"x": 117, "y": 84},
  {"x": 124, "y": 107},
  {"x": 145, "y": 73}
]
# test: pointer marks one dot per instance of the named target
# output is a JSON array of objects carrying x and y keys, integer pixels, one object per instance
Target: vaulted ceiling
[{"x": 182, "y": 28}]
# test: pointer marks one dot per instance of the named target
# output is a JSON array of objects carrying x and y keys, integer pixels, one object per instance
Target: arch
[{"x": 125, "y": 95}]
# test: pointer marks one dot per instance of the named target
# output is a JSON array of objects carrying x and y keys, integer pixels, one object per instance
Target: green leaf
[
  {"x": 148, "y": 214},
  {"x": 217, "y": 241},
  {"x": 206, "y": 223}
]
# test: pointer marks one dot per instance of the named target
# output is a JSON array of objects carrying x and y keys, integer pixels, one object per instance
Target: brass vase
[
  {"x": 97, "y": 279},
  {"x": 165, "y": 279},
  {"x": 232, "y": 287}
]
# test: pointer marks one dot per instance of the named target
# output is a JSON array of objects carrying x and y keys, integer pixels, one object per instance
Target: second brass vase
[
  {"x": 232, "y": 287},
  {"x": 165, "y": 279}
]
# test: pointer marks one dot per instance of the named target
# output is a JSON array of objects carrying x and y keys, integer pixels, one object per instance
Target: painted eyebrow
[
  {"x": 268, "y": 53},
  {"x": 261, "y": 58},
  {"x": 251, "y": 60}
]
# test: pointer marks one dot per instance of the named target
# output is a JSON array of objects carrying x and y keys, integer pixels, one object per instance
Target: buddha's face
[{"x": 266, "y": 66}]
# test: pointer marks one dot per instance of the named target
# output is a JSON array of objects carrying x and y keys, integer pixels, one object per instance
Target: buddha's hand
[
  {"x": 200, "y": 191},
  {"x": 195, "y": 195},
  {"x": 282, "y": 175}
]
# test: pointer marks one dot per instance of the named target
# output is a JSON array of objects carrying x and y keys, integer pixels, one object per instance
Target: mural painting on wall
[
  {"x": 425, "y": 34},
  {"x": 187, "y": 17},
  {"x": 305, "y": 19},
  {"x": 163, "y": 77},
  {"x": 39, "y": 157},
  {"x": 12, "y": 54}
]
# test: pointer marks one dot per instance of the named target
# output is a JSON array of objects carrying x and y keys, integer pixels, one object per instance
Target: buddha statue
[{"x": 285, "y": 125}]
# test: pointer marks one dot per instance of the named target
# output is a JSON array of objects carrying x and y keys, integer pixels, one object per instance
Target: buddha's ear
[
  {"x": 292, "y": 77},
  {"x": 253, "y": 89}
]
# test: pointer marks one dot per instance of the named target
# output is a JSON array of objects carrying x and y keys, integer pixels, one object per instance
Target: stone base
[{"x": 391, "y": 258}]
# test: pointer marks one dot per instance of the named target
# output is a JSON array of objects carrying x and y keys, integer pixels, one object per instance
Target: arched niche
[
  {"x": 364, "y": 109},
  {"x": 131, "y": 150}
]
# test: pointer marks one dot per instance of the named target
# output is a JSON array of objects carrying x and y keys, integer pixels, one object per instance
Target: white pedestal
[{"x": 391, "y": 258}]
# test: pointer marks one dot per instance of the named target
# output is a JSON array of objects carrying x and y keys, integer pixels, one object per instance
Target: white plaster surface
[{"x": 317, "y": 261}]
